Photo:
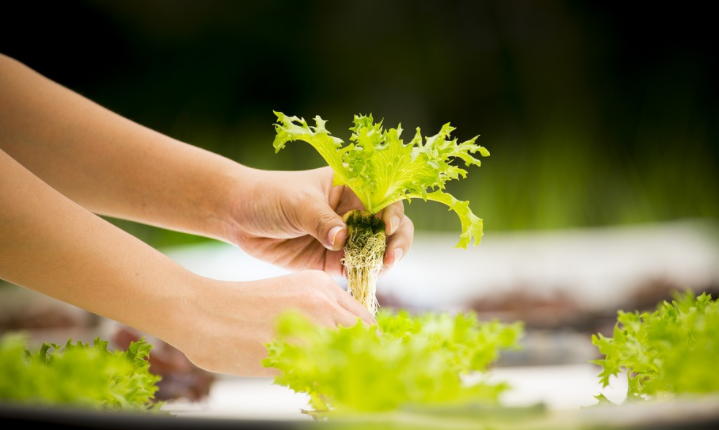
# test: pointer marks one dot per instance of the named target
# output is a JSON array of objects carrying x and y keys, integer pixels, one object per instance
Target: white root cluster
[{"x": 363, "y": 260}]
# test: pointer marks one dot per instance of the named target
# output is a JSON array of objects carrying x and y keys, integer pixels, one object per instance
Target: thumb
[{"x": 325, "y": 225}]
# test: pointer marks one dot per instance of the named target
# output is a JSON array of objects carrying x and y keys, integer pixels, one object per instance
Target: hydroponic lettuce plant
[
  {"x": 403, "y": 361},
  {"x": 77, "y": 375},
  {"x": 381, "y": 169},
  {"x": 671, "y": 351}
]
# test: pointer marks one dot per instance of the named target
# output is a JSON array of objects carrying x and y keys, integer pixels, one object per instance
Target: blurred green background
[{"x": 595, "y": 113}]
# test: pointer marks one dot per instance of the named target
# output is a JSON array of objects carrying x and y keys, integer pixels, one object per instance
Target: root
[{"x": 364, "y": 255}]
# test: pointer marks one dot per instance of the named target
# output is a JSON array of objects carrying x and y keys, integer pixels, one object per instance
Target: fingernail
[
  {"x": 393, "y": 224},
  {"x": 398, "y": 253},
  {"x": 333, "y": 234}
]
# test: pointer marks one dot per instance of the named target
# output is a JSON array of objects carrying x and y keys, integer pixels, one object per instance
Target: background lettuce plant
[
  {"x": 671, "y": 351},
  {"x": 403, "y": 361},
  {"x": 77, "y": 375}
]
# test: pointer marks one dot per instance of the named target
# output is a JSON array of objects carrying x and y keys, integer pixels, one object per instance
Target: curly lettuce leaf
[
  {"x": 77, "y": 375},
  {"x": 403, "y": 361},
  {"x": 671, "y": 351},
  {"x": 381, "y": 169}
]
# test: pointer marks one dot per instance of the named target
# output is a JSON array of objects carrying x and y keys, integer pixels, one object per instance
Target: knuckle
[
  {"x": 322, "y": 220},
  {"x": 317, "y": 301},
  {"x": 316, "y": 277}
]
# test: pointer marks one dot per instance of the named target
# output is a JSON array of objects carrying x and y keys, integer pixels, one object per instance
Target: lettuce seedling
[
  {"x": 77, "y": 375},
  {"x": 404, "y": 361},
  {"x": 381, "y": 169},
  {"x": 671, "y": 351}
]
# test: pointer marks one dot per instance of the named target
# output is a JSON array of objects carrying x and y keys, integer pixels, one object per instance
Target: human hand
[
  {"x": 294, "y": 220},
  {"x": 231, "y": 321}
]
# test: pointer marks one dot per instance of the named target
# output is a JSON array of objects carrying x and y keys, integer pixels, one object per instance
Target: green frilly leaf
[{"x": 381, "y": 169}]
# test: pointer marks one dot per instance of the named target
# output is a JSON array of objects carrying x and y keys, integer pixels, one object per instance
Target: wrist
[
  {"x": 223, "y": 203},
  {"x": 170, "y": 316},
  {"x": 244, "y": 206}
]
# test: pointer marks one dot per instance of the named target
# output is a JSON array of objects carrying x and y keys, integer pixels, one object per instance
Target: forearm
[
  {"x": 111, "y": 165},
  {"x": 53, "y": 246}
]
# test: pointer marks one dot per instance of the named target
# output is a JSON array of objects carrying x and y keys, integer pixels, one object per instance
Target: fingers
[
  {"x": 393, "y": 216},
  {"x": 330, "y": 304},
  {"x": 399, "y": 243},
  {"x": 348, "y": 319},
  {"x": 399, "y": 230},
  {"x": 324, "y": 224},
  {"x": 354, "y": 308}
]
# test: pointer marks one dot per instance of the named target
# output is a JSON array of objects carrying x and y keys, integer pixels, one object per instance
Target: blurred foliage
[
  {"x": 403, "y": 361},
  {"x": 670, "y": 352},
  {"x": 77, "y": 375},
  {"x": 595, "y": 113}
]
